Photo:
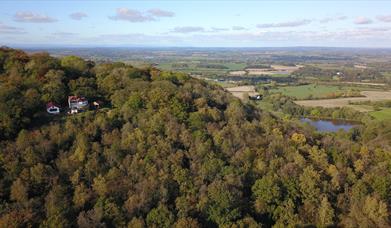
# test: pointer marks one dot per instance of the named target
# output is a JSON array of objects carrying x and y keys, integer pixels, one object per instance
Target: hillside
[{"x": 168, "y": 150}]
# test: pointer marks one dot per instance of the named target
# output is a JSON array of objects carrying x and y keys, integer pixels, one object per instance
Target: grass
[
  {"x": 235, "y": 66},
  {"x": 387, "y": 74},
  {"x": 384, "y": 114},
  {"x": 193, "y": 66},
  {"x": 279, "y": 75},
  {"x": 316, "y": 91},
  {"x": 362, "y": 108},
  {"x": 223, "y": 84}
]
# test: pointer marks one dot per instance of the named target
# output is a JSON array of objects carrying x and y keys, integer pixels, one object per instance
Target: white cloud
[
  {"x": 6, "y": 29},
  {"x": 333, "y": 18},
  {"x": 63, "y": 34},
  {"x": 238, "y": 28},
  {"x": 78, "y": 15},
  {"x": 33, "y": 17},
  {"x": 160, "y": 13},
  {"x": 197, "y": 29},
  {"x": 216, "y": 29},
  {"x": 188, "y": 29},
  {"x": 131, "y": 15},
  {"x": 287, "y": 24},
  {"x": 384, "y": 18},
  {"x": 360, "y": 36},
  {"x": 362, "y": 21}
]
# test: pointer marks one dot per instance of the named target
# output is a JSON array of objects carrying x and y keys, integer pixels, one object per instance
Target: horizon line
[{"x": 39, "y": 46}]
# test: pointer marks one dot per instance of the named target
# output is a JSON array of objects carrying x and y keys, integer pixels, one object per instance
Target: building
[
  {"x": 77, "y": 102},
  {"x": 96, "y": 105},
  {"x": 73, "y": 111},
  {"x": 51, "y": 108},
  {"x": 255, "y": 97}
]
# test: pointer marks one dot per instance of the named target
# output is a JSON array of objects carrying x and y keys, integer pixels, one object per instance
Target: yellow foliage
[
  {"x": 359, "y": 166},
  {"x": 298, "y": 138}
]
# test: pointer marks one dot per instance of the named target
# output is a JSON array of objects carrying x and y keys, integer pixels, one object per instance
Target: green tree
[
  {"x": 19, "y": 191},
  {"x": 73, "y": 64},
  {"x": 325, "y": 214},
  {"x": 267, "y": 194},
  {"x": 223, "y": 205},
  {"x": 160, "y": 217}
]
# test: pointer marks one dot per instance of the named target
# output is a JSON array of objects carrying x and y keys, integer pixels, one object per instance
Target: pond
[{"x": 329, "y": 125}]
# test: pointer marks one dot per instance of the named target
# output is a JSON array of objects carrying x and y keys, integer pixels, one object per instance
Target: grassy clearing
[
  {"x": 384, "y": 114},
  {"x": 316, "y": 91},
  {"x": 361, "y": 108}
]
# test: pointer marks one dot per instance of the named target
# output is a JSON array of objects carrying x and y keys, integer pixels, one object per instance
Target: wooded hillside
[{"x": 167, "y": 150}]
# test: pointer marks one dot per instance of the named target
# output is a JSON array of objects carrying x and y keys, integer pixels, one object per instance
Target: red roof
[
  {"x": 76, "y": 98},
  {"x": 50, "y": 104}
]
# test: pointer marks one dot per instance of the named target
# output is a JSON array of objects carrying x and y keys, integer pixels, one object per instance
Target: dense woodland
[{"x": 167, "y": 150}]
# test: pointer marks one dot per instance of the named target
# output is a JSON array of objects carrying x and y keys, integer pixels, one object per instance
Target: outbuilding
[
  {"x": 255, "y": 97},
  {"x": 51, "y": 108}
]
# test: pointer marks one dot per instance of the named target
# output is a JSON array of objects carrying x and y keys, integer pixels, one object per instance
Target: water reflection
[{"x": 328, "y": 125}]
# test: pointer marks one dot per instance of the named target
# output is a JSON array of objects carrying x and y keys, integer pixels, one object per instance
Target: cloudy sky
[{"x": 199, "y": 23}]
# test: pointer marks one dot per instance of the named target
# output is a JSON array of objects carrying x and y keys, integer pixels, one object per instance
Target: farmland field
[
  {"x": 384, "y": 114},
  {"x": 196, "y": 67},
  {"x": 241, "y": 91},
  {"x": 273, "y": 70},
  {"x": 342, "y": 102},
  {"x": 387, "y": 74},
  {"x": 313, "y": 90}
]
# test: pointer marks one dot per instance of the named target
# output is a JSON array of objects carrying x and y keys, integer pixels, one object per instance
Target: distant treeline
[
  {"x": 180, "y": 65},
  {"x": 344, "y": 74},
  {"x": 258, "y": 66},
  {"x": 212, "y": 66}
]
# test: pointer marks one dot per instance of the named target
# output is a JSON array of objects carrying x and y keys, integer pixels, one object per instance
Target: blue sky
[{"x": 196, "y": 23}]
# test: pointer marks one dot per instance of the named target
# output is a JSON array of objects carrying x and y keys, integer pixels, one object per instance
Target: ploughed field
[
  {"x": 273, "y": 70},
  {"x": 241, "y": 91},
  {"x": 342, "y": 102}
]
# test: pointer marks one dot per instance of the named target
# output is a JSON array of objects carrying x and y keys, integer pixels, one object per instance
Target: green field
[
  {"x": 384, "y": 114},
  {"x": 235, "y": 66},
  {"x": 194, "y": 68},
  {"x": 316, "y": 91},
  {"x": 223, "y": 84},
  {"x": 279, "y": 75},
  {"x": 387, "y": 74}
]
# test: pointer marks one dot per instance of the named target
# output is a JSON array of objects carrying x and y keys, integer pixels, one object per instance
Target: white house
[
  {"x": 51, "y": 108},
  {"x": 76, "y": 102}
]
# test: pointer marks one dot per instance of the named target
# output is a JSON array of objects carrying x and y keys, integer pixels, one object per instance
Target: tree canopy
[{"x": 168, "y": 150}]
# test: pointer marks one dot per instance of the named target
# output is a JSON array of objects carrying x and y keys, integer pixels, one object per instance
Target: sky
[{"x": 202, "y": 23}]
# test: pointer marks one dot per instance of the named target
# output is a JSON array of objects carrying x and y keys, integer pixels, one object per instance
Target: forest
[{"x": 169, "y": 150}]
